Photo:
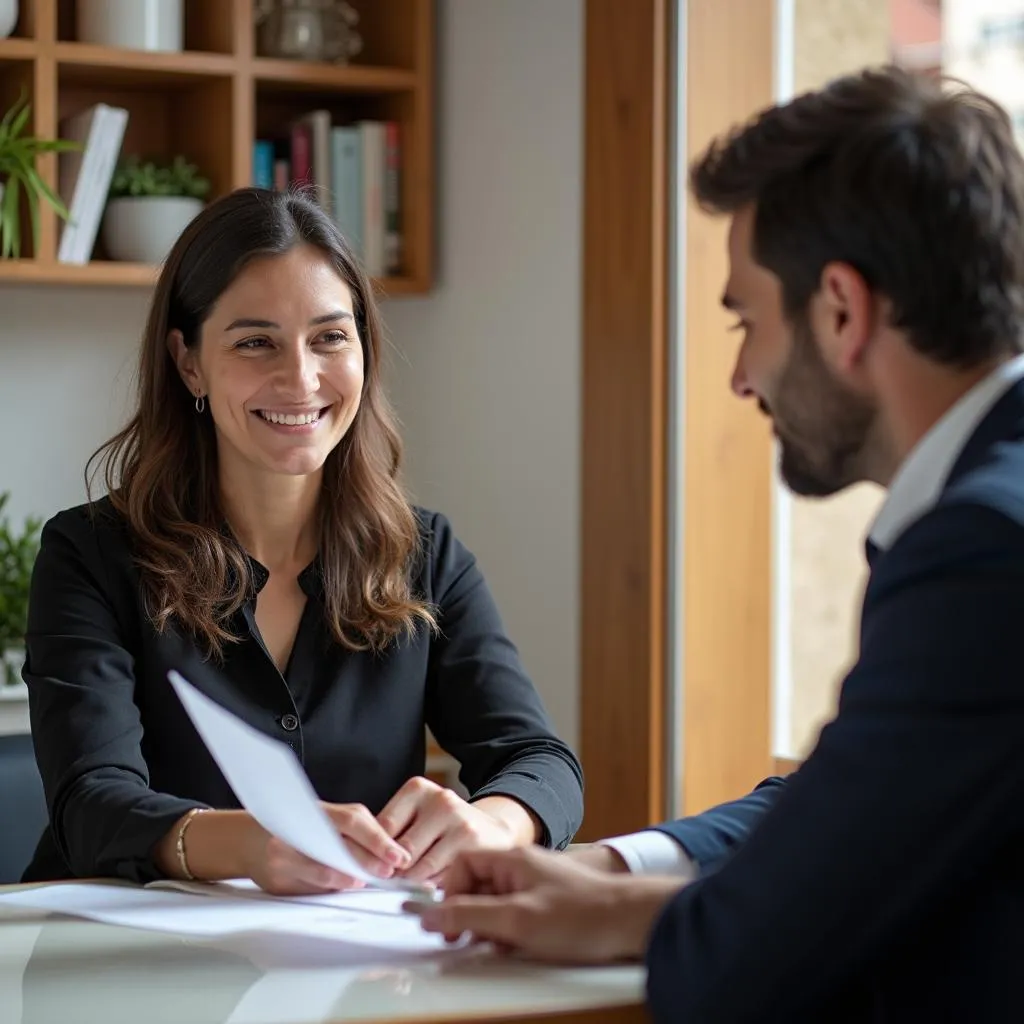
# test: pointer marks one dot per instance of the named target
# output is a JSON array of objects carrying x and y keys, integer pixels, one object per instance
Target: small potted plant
[
  {"x": 18, "y": 152},
  {"x": 18, "y": 550},
  {"x": 148, "y": 207}
]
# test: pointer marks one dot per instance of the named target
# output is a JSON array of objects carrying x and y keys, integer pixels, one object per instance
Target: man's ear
[
  {"x": 186, "y": 362},
  {"x": 843, "y": 315}
]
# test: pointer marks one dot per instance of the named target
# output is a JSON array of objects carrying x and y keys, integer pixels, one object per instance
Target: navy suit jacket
[{"x": 884, "y": 880}]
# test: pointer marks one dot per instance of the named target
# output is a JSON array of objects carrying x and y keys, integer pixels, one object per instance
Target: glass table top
[{"x": 56, "y": 970}]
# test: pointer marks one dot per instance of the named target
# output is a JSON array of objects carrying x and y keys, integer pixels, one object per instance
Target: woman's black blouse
[{"x": 121, "y": 761}]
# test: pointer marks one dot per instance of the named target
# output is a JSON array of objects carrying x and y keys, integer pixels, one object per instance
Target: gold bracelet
[{"x": 179, "y": 844}]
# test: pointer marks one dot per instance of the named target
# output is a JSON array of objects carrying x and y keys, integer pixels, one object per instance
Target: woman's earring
[{"x": 200, "y": 403}]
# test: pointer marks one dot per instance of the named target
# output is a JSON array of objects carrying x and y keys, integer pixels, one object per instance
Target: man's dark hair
[{"x": 915, "y": 181}]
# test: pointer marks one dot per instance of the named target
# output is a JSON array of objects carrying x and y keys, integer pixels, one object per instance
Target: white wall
[
  {"x": 486, "y": 376},
  {"x": 485, "y": 371},
  {"x": 67, "y": 360}
]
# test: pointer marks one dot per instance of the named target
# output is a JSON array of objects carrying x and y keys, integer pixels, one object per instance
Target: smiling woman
[
  {"x": 255, "y": 536},
  {"x": 297, "y": 379}
]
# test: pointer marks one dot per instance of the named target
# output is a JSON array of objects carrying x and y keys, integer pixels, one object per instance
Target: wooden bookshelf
[{"x": 211, "y": 101}]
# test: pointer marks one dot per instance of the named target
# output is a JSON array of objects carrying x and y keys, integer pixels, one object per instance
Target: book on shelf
[
  {"x": 355, "y": 172},
  {"x": 317, "y": 132},
  {"x": 84, "y": 176}
]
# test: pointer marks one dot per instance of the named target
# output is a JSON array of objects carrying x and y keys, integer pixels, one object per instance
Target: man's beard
[{"x": 823, "y": 427}]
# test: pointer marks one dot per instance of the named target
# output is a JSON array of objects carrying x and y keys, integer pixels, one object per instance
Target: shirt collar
[
  {"x": 311, "y": 579},
  {"x": 919, "y": 481}
]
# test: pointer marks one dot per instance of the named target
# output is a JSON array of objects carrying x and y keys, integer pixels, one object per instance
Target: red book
[{"x": 302, "y": 155}]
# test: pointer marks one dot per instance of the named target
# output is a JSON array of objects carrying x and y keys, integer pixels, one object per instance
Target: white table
[{"x": 58, "y": 970}]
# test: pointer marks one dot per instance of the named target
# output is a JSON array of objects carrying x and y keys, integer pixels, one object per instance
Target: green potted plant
[
  {"x": 148, "y": 207},
  {"x": 18, "y": 550},
  {"x": 18, "y": 152}
]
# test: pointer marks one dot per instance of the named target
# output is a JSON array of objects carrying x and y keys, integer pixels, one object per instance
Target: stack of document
[{"x": 367, "y": 918}]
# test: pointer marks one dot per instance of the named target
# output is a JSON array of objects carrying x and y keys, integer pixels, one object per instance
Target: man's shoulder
[
  {"x": 975, "y": 527},
  {"x": 994, "y": 482}
]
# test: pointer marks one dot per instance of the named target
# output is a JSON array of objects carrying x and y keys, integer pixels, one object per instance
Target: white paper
[
  {"x": 373, "y": 924},
  {"x": 271, "y": 785},
  {"x": 367, "y": 901}
]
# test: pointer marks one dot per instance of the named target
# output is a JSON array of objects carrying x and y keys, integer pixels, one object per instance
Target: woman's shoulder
[
  {"x": 430, "y": 523},
  {"x": 443, "y": 556},
  {"x": 437, "y": 536},
  {"x": 90, "y": 525}
]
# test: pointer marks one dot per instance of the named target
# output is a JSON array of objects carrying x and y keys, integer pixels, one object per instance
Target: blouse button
[{"x": 289, "y": 722}]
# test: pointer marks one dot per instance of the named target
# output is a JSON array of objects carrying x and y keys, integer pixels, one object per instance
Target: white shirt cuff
[{"x": 653, "y": 853}]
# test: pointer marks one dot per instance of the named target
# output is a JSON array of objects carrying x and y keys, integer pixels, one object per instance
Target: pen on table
[{"x": 418, "y": 895}]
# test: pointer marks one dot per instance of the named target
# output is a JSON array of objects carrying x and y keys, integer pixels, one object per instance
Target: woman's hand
[
  {"x": 279, "y": 869},
  {"x": 434, "y": 824}
]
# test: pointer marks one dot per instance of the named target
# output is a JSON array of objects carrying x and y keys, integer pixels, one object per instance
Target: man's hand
[{"x": 547, "y": 906}]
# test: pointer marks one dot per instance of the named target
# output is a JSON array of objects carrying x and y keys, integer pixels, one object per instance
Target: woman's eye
[
  {"x": 251, "y": 343},
  {"x": 334, "y": 337}
]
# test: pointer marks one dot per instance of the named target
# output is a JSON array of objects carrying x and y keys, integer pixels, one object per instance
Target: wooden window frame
[{"x": 640, "y": 766}]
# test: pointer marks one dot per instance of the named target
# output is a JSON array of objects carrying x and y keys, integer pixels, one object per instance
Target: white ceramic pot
[
  {"x": 8, "y": 17},
  {"x": 132, "y": 24},
  {"x": 142, "y": 229}
]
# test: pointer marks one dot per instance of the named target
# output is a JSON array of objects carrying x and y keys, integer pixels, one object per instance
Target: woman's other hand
[
  {"x": 434, "y": 824},
  {"x": 278, "y": 868}
]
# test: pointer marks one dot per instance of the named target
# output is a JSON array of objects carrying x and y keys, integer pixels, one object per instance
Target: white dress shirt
[
  {"x": 912, "y": 492},
  {"x": 653, "y": 853}
]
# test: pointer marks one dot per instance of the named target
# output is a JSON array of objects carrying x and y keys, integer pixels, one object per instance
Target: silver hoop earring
[{"x": 200, "y": 403}]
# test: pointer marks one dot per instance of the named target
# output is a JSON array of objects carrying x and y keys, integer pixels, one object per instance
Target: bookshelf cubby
[{"x": 213, "y": 100}]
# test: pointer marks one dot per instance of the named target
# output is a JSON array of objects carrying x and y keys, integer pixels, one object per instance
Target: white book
[{"x": 84, "y": 176}]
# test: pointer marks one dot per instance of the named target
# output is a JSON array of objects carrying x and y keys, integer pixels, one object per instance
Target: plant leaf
[
  {"x": 178, "y": 177},
  {"x": 10, "y": 244},
  {"x": 10, "y": 115},
  {"x": 18, "y": 552},
  {"x": 18, "y": 172},
  {"x": 33, "y": 211},
  {"x": 20, "y": 121},
  {"x": 40, "y": 186}
]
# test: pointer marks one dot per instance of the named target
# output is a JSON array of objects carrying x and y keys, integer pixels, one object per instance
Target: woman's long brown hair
[{"x": 161, "y": 469}]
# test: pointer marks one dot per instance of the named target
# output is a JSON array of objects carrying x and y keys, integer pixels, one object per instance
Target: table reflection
[{"x": 56, "y": 969}]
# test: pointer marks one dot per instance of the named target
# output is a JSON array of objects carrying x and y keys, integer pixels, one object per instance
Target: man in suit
[{"x": 876, "y": 251}]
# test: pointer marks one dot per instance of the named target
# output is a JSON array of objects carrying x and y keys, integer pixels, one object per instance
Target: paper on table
[
  {"x": 271, "y": 785},
  {"x": 365, "y": 901},
  {"x": 218, "y": 916}
]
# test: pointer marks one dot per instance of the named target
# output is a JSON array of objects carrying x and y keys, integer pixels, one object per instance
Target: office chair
[{"x": 22, "y": 806}]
